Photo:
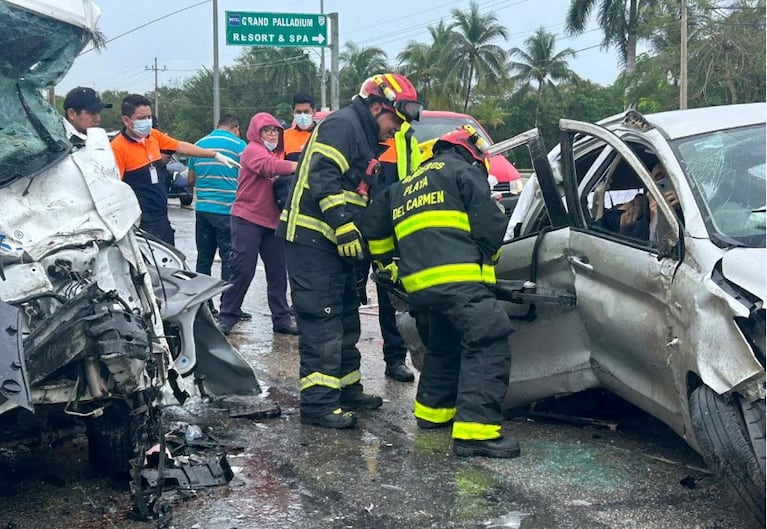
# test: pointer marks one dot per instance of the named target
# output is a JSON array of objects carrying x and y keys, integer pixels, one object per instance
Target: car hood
[{"x": 745, "y": 267}]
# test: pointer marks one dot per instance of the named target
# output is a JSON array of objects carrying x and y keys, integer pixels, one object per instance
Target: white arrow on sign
[{"x": 318, "y": 38}]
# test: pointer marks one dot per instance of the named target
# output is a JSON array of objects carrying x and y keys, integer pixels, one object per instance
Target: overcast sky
[{"x": 183, "y": 42}]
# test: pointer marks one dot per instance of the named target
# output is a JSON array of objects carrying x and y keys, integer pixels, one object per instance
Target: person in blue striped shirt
[{"x": 215, "y": 189}]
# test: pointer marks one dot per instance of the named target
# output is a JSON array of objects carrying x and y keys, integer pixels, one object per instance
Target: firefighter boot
[
  {"x": 337, "y": 418},
  {"x": 500, "y": 447},
  {"x": 360, "y": 401}
]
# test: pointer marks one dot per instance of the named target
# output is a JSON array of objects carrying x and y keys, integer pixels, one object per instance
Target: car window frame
[{"x": 573, "y": 131}]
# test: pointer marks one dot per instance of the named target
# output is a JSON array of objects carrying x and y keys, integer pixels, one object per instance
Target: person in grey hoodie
[{"x": 254, "y": 218}]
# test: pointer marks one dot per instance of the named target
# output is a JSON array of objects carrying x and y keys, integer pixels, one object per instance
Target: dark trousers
[
  {"x": 213, "y": 232},
  {"x": 158, "y": 224},
  {"x": 466, "y": 367},
  {"x": 394, "y": 349},
  {"x": 248, "y": 242},
  {"x": 325, "y": 300}
]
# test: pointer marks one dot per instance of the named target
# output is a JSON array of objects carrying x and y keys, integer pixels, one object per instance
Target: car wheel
[
  {"x": 112, "y": 441},
  {"x": 186, "y": 201},
  {"x": 731, "y": 435}
]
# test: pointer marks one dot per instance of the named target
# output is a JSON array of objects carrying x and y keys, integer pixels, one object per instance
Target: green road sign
[{"x": 276, "y": 29}]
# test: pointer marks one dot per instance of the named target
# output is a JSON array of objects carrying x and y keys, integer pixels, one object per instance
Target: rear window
[{"x": 430, "y": 127}]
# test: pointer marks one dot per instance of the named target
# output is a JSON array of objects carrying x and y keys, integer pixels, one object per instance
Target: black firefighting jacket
[
  {"x": 325, "y": 195},
  {"x": 441, "y": 222}
]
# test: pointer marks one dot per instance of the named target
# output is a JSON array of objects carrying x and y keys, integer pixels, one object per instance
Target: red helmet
[
  {"x": 396, "y": 93},
  {"x": 472, "y": 143}
]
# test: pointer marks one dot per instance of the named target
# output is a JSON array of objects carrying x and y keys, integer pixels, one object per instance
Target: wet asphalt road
[{"x": 386, "y": 473}]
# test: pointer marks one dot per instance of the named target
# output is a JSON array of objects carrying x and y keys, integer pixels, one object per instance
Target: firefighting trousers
[
  {"x": 465, "y": 371},
  {"x": 322, "y": 285}
]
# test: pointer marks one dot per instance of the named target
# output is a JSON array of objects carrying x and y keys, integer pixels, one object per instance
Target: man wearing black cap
[{"x": 81, "y": 111}]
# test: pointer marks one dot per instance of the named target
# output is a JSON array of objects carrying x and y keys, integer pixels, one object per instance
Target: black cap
[{"x": 82, "y": 98}]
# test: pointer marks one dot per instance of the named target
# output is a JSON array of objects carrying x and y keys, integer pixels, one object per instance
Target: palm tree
[
  {"x": 357, "y": 64},
  {"x": 538, "y": 63},
  {"x": 474, "y": 56},
  {"x": 425, "y": 66},
  {"x": 620, "y": 21}
]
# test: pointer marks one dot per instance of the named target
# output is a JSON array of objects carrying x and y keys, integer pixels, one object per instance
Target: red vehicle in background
[{"x": 434, "y": 123}]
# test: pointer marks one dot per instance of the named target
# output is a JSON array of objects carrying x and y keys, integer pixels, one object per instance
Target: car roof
[{"x": 690, "y": 122}]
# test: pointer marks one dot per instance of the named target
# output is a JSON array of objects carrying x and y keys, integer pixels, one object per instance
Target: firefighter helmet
[
  {"x": 467, "y": 137},
  {"x": 395, "y": 92}
]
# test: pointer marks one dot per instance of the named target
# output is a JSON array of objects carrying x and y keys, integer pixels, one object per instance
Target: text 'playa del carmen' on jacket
[
  {"x": 441, "y": 222},
  {"x": 255, "y": 197},
  {"x": 333, "y": 164}
]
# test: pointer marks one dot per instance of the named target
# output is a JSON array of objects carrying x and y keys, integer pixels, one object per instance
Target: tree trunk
[
  {"x": 468, "y": 87},
  {"x": 631, "y": 54}
]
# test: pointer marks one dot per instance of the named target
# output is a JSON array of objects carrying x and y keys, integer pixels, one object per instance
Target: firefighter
[
  {"x": 447, "y": 232},
  {"x": 319, "y": 224},
  {"x": 401, "y": 157}
]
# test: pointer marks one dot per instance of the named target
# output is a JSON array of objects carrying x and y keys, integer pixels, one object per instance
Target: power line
[{"x": 163, "y": 17}]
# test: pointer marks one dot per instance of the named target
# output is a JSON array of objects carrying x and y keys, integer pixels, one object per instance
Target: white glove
[{"x": 220, "y": 158}]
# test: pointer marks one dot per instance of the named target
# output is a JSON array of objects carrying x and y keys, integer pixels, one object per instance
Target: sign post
[{"x": 276, "y": 29}]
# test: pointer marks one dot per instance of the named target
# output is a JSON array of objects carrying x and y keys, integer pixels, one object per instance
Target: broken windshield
[
  {"x": 726, "y": 170},
  {"x": 37, "y": 52}
]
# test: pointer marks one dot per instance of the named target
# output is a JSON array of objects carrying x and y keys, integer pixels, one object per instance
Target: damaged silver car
[
  {"x": 655, "y": 225},
  {"x": 100, "y": 325}
]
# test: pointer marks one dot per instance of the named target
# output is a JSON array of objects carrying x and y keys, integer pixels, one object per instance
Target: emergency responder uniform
[
  {"x": 323, "y": 244},
  {"x": 447, "y": 232},
  {"x": 401, "y": 157}
]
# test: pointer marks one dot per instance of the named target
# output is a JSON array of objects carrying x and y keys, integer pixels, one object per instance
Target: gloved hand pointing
[
  {"x": 349, "y": 241},
  {"x": 220, "y": 158}
]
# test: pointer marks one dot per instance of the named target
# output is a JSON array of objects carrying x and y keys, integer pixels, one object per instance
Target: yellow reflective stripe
[
  {"x": 497, "y": 255},
  {"x": 439, "y": 275},
  {"x": 310, "y": 223},
  {"x": 284, "y": 215},
  {"x": 381, "y": 246},
  {"x": 334, "y": 154},
  {"x": 332, "y": 201},
  {"x": 351, "y": 378},
  {"x": 458, "y": 220},
  {"x": 302, "y": 183},
  {"x": 438, "y": 415},
  {"x": 355, "y": 199},
  {"x": 488, "y": 274},
  {"x": 320, "y": 379},
  {"x": 475, "y": 431},
  {"x": 393, "y": 82}
]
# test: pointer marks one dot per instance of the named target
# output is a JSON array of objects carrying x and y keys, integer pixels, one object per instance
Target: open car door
[{"x": 623, "y": 279}]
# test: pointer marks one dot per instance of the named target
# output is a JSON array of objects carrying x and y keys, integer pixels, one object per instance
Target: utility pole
[
  {"x": 216, "y": 87},
  {"x": 683, "y": 60},
  {"x": 323, "y": 104},
  {"x": 334, "y": 61},
  {"x": 156, "y": 87}
]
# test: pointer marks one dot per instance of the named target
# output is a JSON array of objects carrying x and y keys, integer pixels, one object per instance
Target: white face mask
[
  {"x": 142, "y": 127},
  {"x": 270, "y": 145},
  {"x": 304, "y": 121}
]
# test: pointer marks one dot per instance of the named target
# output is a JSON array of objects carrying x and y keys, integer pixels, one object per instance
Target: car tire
[
  {"x": 731, "y": 435},
  {"x": 112, "y": 441},
  {"x": 186, "y": 201}
]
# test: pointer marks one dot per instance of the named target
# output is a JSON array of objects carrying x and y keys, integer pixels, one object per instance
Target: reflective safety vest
[
  {"x": 441, "y": 222},
  {"x": 401, "y": 158},
  {"x": 294, "y": 140}
]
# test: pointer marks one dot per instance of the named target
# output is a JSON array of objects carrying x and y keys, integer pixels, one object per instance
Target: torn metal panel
[
  {"x": 192, "y": 475},
  {"x": 14, "y": 384}
]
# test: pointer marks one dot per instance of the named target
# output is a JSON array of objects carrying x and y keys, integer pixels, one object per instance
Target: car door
[
  {"x": 622, "y": 283},
  {"x": 549, "y": 346}
]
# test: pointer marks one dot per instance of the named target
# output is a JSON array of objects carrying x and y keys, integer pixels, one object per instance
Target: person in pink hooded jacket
[{"x": 254, "y": 218}]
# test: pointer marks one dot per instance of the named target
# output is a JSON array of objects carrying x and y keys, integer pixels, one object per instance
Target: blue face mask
[
  {"x": 270, "y": 145},
  {"x": 142, "y": 127},
  {"x": 304, "y": 121}
]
